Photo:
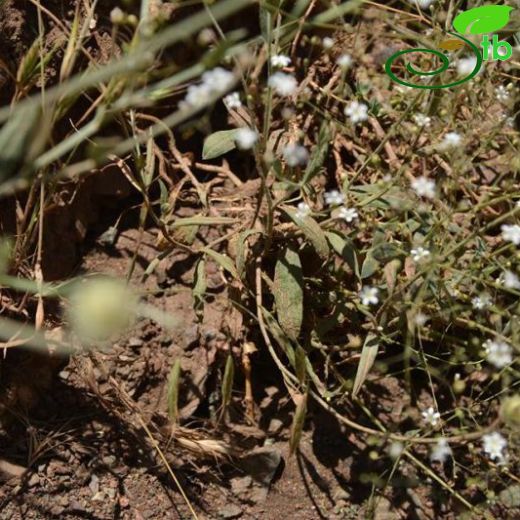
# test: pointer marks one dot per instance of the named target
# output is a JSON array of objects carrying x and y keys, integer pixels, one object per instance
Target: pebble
[
  {"x": 230, "y": 511},
  {"x": 34, "y": 480}
]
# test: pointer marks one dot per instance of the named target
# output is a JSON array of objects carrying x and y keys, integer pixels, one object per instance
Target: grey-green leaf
[
  {"x": 344, "y": 248},
  {"x": 312, "y": 231},
  {"x": 368, "y": 356},
  {"x": 173, "y": 391},
  {"x": 288, "y": 292},
  {"x": 297, "y": 424},
  {"x": 370, "y": 266},
  {"x": 219, "y": 143}
]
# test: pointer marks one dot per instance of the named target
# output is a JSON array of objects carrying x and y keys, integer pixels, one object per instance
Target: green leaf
[
  {"x": 312, "y": 231},
  {"x": 483, "y": 19},
  {"x": 242, "y": 249},
  {"x": 300, "y": 364},
  {"x": 297, "y": 424},
  {"x": 224, "y": 261},
  {"x": 370, "y": 266},
  {"x": 173, "y": 391},
  {"x": 280, "y": 337},
  {"x": 344, "y": 248},
  {"x": 288, "y": 292},
  {"x": 385, "y": 252},
  {"x": 319, "y": 154},
  {"x": 201, "y": 221},
  {"x": 219, "y": 143},
  {"x": 337, "y": 11},
  {"x": 199, "y": 288},
  {"x": 16, "y": 138},
  {"x": 368, "y": 356}
]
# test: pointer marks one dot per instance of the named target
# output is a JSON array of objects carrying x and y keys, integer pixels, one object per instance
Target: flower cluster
[{"x": 215, "y": 82}]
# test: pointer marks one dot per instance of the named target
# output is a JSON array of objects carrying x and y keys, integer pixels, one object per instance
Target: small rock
[
  {"x": 34, "y": 480},
  {"x": 94, "y": 484},
  {"x": 98, "y": 497},
  {"x": 231, "y": 511},
  {"x": 275, "y": 426},
  {"x": 76, "y": 506},
  {"x": 109, "y": 460},
  {"x": 341, "y": 495},
  {"x": 239, "y": 485},
  {"x": 135, "y": 342}
]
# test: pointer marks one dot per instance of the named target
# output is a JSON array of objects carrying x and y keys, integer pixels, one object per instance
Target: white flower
[
  {"x": 441, "y": 451},
  {"x": 511, "y": 233},
  {"x": 357, "y": 112},
  {"x": 233, "y": 100},
  {"x": 481, "y": 302},
  {"x": 218, "y": 79},
  {"x": 246, "y": 138},
  {"x": 349, "y": 214},
  {"x": 422, "y": 120},
  {"x": 280, "y": 60},
  {"x": 419, "y": 253},
  {"x": 283, "y": 84},
  {"x": 498, "y": 353},
  {"x": 494, "y": 445},
  {"x": 424, "y": 187},
  {"x": 328, "y": 43},
  {"x": 206, "y": 37},
  {"x": 303, "y": 210},
  {"x": 395, "y": 450},
  {"x": 451, "y": 140},
  {"x": 466, "y": 66},
  {"x": 368, "y": 295},
  {"x": 344, "y": 61},
  {"x": 501, "y": 93},
  {"x": 117, "y": 16},
  {"x": 334, "y": 198},
  {"x": 214, "y": 82},
  {"x": 511, "y": 281},
  {"x": 295, "y": 155},
  {"x": 197, "y": 95},
  {"x": 420, "y": 319},
  {"x": 431, "y": 416},
  {"x": 423, "y": 4}
]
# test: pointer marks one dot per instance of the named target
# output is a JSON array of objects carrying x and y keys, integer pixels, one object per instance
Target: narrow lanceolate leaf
[
  {"x": 173, "y": 391},
  {"x": 227, "y": 381},
  {"x": 201, "y": 221},
  {"x": 312, "y": 231},
  {"x": 370, "y": 266},
  {"x": 320, "y": 153},
  {"x": 344, "y": 248},
  {"x": 199, "y": 288},
  {"x": 297, "y": 424},
  {"x": 300, "y": 364},
  {"x": 288, "y": 292},
  {"x": 224, "y": 261},
  {"x": 219, "y": 143},
  {"x": 368, "y": 356},
  {"x": 242, "y": 250}
]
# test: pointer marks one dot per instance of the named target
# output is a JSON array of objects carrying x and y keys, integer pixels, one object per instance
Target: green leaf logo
[{"x": 484, "y": 19}]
